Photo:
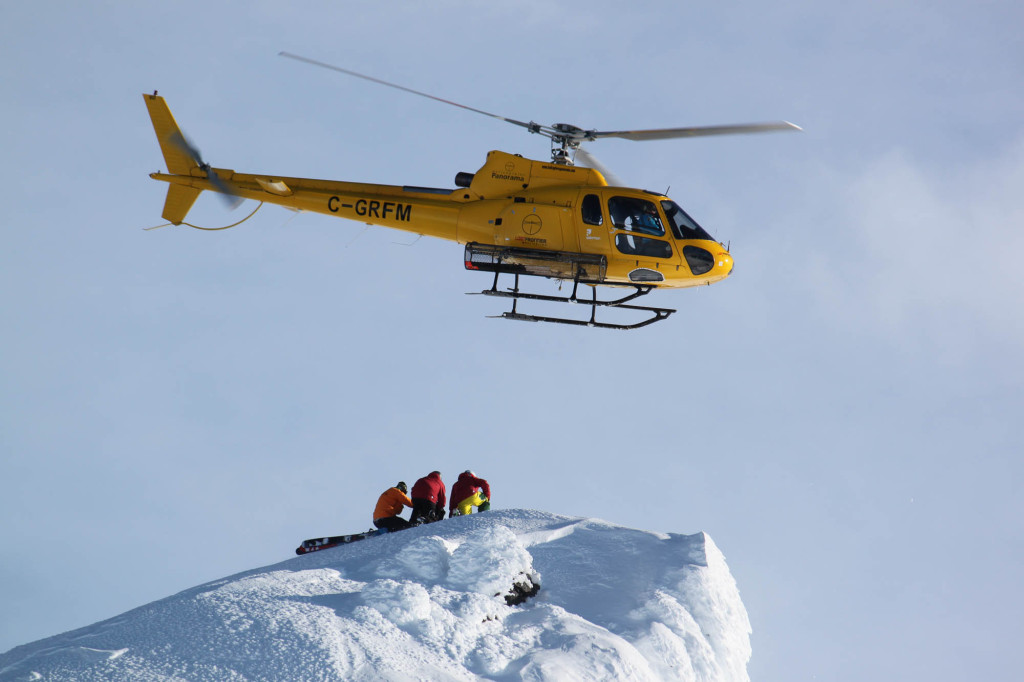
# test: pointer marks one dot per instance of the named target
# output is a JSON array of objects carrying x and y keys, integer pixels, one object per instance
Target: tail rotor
[{"x": 228, "y": 195}]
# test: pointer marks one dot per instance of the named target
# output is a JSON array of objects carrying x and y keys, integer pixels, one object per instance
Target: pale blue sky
[{"x": 842, "y": 415}]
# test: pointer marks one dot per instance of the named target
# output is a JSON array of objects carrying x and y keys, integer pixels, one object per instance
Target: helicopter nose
[
  {"x": 704, "y": 262},
  {"x": 723, "y": 263}
]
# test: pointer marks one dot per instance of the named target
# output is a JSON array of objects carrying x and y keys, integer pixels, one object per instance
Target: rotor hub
[{"x": 565, "y": 140}]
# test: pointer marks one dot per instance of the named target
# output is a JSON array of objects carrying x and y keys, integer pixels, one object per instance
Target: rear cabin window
[
  {"x": 635, "y": 215},
  {"x": 592, "y": 210}
]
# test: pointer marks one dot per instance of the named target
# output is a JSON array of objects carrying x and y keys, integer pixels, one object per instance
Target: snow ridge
[{"x": 427, "y": 604}]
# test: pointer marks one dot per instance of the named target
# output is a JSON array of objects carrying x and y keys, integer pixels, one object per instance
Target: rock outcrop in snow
[{"x": 428, "y": 603}]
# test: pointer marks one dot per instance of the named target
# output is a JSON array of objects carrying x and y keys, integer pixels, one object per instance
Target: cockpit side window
[
  {"x": 591, "y": 209},
  {"x": 683, "y": 226},
  {"x": 635, "y": 215},
  {"x": 634, "y": 245}
]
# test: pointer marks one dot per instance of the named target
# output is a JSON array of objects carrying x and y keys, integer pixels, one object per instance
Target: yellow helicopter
[{"x": 514, "y": 215}]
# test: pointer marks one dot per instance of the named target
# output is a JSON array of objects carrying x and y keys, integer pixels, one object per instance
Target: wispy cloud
[{"x": 931, "y": 256}]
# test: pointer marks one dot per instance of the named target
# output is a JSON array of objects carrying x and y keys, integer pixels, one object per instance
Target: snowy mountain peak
[{"x": 428, "y": 603}]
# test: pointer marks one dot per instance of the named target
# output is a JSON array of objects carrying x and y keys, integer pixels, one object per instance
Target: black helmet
[{"x": 402, "y": 486}]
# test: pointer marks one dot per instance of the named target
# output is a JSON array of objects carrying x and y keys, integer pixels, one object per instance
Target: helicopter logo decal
[{"x": 532, "y": 224}]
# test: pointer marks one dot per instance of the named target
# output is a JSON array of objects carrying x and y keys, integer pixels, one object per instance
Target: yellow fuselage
[{"x": 511, "y": 201}]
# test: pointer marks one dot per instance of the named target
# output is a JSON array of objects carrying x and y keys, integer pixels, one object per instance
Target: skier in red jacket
[
  {"x": 428, "y": 499},
  {"x": 468, "y": 492}
]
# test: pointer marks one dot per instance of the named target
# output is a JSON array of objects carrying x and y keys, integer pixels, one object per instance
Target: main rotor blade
[
  {"x": 668, "y": 133},
  {"x": 533, "y": 127}
]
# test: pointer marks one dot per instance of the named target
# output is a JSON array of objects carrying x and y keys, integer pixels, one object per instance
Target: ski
[{"x": 316, "y": 544}]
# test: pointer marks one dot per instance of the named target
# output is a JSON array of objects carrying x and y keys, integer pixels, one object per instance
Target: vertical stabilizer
[{"x": 179, "y": 162}]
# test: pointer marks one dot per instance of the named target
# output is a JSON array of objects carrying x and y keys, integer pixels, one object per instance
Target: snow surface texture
[{"x": 427, "y": 604}]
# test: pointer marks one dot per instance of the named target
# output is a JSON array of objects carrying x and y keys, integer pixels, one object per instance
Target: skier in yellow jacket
[
  {"x": 468, "y": 492},
  {"x": 389, "y": 506}
]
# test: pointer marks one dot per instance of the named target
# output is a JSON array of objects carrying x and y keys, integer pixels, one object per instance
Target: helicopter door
[
  {"x": 641, "y": 239},
  {"x": 531, "y": 226},
  {"x": 593, "y": 226}
]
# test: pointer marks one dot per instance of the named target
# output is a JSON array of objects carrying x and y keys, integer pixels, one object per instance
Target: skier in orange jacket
[{"x": 389, "y": 506}]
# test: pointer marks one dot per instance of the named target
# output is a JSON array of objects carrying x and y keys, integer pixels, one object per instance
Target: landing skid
[{"x": 657, "y": 314}]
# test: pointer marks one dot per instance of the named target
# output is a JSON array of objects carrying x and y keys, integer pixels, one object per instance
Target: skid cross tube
[{"x": 657, "y": 314}]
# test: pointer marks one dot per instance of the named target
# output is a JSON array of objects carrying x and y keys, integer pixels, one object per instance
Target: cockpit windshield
[{"x": 683, "y": 226}]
